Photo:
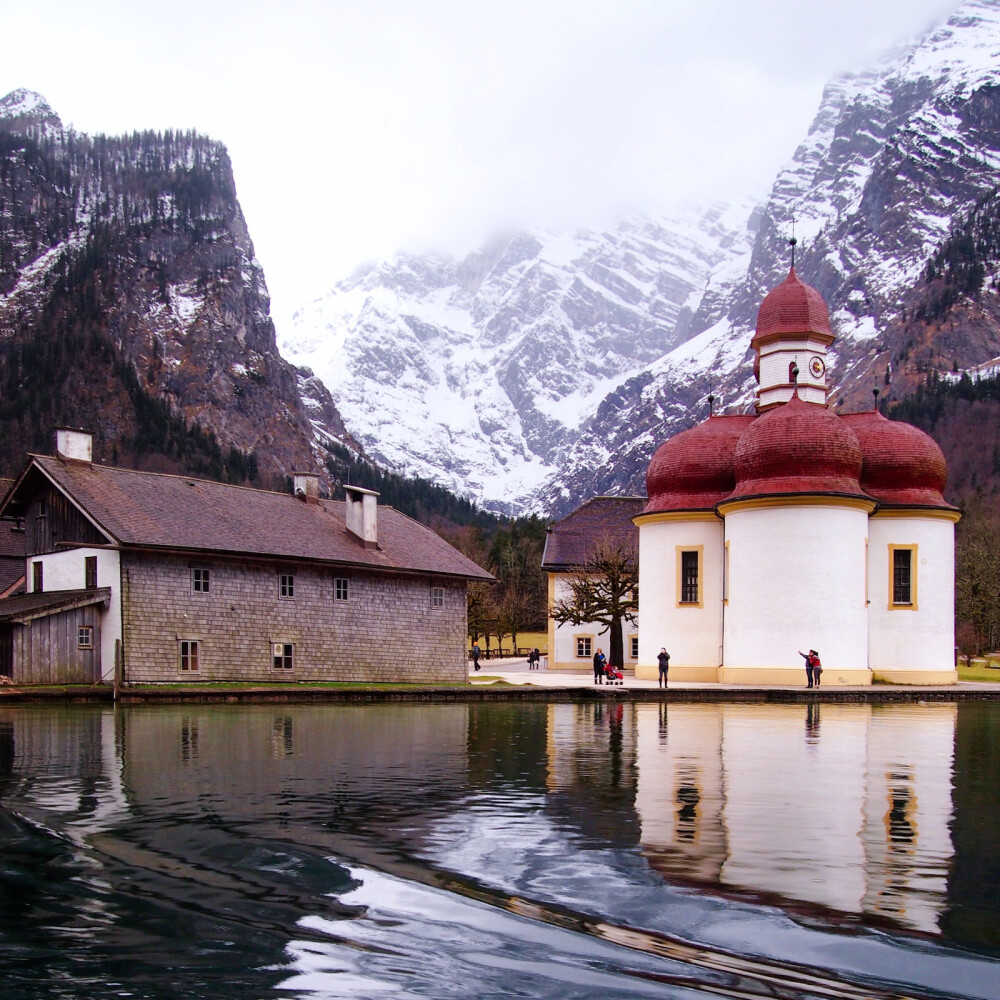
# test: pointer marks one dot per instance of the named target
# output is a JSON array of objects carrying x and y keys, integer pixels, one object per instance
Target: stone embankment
[{"x": 499, "y": 680}]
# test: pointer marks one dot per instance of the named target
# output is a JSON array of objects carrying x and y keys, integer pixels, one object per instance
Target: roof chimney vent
[
  {"x": 305, "y": 486},
  {"x": 362, "y": 514},
  {"x": 74, "y": 445}
]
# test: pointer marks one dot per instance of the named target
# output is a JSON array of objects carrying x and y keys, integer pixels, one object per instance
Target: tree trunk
[{"x": 616, "y": 656}]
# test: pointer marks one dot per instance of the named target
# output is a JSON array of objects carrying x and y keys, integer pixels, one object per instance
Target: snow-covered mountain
[
  {"x": 548, "y": 367},
  {"x": 479, "y": 373}
]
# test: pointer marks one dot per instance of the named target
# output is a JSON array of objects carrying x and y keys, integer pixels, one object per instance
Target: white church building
[{"x": 795, "y": 528}]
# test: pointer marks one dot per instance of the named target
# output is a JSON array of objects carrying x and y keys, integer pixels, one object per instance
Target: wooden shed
[{"x": 53, "y": 637}]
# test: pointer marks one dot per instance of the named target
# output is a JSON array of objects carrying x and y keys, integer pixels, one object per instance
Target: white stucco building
[{"x": 795, "y": 528}]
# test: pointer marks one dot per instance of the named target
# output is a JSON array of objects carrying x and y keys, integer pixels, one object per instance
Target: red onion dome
[
  {"x": 797, "y": 448},
  {"x": 900, "y": 464},
  {"x": 792, "y": 307},
  {"x": 694, "y": 470}
]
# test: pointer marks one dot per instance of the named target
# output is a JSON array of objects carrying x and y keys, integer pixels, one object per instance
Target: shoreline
[{"x": 499, "y": 681}]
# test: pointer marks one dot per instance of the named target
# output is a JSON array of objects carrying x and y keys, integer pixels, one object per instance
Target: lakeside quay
[{"x": 497, "y": 680}]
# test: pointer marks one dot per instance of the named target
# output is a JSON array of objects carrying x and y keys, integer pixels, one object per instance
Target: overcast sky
[{"x": 359, "y": 127}]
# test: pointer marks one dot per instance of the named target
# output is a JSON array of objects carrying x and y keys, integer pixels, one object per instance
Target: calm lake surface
[{"x": 500, "y": 850}]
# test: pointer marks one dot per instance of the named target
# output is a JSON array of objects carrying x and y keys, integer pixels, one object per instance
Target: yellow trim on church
[
  {"x": 910, "y": 512},
  {"x": 727, "y": 507},
  {"x": 687, "y": 516}
]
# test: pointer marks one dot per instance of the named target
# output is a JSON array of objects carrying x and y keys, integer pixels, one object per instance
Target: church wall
[
  {"x": 914, "y": 644},
  {"x": 692, "y": 633},
  {"x": 796, "y": 581}
]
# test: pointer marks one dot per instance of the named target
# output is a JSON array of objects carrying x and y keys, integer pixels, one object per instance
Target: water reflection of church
[
  {"x": 856, "y": 820},
  {"x": 838, "y": 808}
]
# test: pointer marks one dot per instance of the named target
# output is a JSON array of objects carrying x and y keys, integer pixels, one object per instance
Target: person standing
[
  {"x": 808, "y": 657},
  {"x": 817, "y": 667},
  {"x": 663, "y": 659},
  {"x": 476, "y": 653},
  {"x": 599, "y": 662}
]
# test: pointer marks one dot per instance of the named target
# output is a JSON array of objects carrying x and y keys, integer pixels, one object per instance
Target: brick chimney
[
  {"x": 305, "y": 486},
  {"x": 362, "y": 514},
  {"x": 74, "y": 445}
]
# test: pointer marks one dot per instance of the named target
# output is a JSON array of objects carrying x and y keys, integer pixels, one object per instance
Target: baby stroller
[{"x": 613, "y": 676}]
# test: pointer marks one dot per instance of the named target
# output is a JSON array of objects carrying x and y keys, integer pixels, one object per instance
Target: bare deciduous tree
[{"x": 605, "y": 591}]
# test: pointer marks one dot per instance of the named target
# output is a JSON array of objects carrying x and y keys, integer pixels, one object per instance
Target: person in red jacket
[{"x": 813, "y": 667}]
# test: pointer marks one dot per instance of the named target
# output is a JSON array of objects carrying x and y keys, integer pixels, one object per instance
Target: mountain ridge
[{"x": 895, "y": 157}]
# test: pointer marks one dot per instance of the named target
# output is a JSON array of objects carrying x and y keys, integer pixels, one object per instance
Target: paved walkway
[{"x": 515, "y": 671}]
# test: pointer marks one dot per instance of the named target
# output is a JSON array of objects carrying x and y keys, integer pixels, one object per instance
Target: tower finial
[
  {"x": 793, "y": 241},
  {"x": 711, "y": 404},
  {"x": 875, "y": 394}
]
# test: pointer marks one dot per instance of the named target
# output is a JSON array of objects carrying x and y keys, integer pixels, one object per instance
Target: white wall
[
  {"x": 692, "y": 635},
  {"x": 796, "y": 581},
  {"x": 563, "y": 649},
  {"x": 922, "y": 638},
  {"x": 66, "y": 571}
]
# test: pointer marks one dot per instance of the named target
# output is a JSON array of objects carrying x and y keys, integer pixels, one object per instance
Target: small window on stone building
[
  {"x": 90, "y": 572},
  {"x": 286, "y": 586},
  {"x": 583, "y": 646},
  {"x": 189, "y": 655},
  {"x": 283, "y": 655},
  {"x": 341, "y": 588},
  {"x": 36, "y": 577},
  {"x": 85, "y": 637},
  {"x": 437, "y": 597},
  {"x": 199, "y": 580}
]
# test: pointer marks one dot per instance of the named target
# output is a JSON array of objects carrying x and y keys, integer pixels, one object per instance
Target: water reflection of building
[
  {"x": 849, "y": 811},
  {"x": 592, "y": 777},
  {"x": 324, "y": 767},
  {"x": 680, "y": 810}
]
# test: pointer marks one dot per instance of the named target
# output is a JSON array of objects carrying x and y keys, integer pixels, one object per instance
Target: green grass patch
[{"x": 981, "y": 670}]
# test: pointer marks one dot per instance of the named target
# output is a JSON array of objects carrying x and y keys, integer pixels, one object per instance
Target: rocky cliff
[{"x": 131, "y": 302}]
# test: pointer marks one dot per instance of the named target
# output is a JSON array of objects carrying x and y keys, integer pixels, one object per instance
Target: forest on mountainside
[
  {"x": 65, "y": 370},
  {"x": 959, "y": 268}
]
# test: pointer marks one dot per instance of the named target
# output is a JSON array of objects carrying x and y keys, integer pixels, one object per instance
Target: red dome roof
[
  {"x": 694, "y": 470},
  {"x": 901, "y": 465},
  {"x": 797, "y": 448},
  {"x": 792, "y": 307}
]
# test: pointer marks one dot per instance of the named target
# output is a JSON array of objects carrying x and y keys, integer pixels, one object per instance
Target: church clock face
[{"x": 816, "y": 367}]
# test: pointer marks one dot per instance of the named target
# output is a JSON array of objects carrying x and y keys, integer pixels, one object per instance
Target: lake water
[{"x": 500, "y": 850}]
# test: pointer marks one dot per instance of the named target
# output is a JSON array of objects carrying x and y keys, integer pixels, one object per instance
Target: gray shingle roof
[
  {"x": 24, "y": 607},
  {"x": 153, "y": 510},
  {"x": 570, "y": 543}
]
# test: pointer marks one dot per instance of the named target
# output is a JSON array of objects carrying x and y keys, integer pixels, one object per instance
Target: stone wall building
[{"x": 182, "y": 579}]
